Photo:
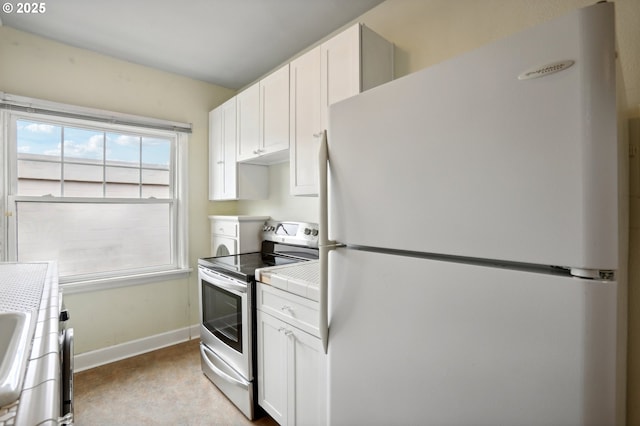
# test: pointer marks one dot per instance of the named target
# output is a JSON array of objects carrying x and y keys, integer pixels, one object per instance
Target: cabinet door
[
  {"x": 274, "y": 124},
  {"x": 307, "y": 390},
  {"x": 216, "y": 156},
  {"x": 306, "y": 127},
  {"x": 222, "y": 152},
  {"x": 229, "y": 131},
  {"x": 248, "y": 109},
  {"x": 340, "y": 78},
  {"x": 272, "y": 367}
]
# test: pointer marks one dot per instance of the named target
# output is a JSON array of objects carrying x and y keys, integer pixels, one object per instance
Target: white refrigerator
[{"x": 473, "y": 238}]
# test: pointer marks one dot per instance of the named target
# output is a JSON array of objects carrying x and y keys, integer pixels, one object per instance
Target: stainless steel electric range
[{"x": 228, "y": 312}]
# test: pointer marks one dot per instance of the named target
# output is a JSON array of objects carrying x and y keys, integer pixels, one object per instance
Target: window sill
[{"x": 85, "y": 286}]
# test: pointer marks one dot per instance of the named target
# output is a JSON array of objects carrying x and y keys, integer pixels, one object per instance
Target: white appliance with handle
[{"x": 473, "y": 265}]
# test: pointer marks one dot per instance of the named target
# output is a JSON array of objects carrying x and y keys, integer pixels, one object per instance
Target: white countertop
[
  {"x": 302, "y": 278},
  {"x": 33, "y": 287}
]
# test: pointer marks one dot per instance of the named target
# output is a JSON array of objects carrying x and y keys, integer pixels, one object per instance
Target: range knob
[
  {"x": 307, "y": 231},
  {"x": 314, "y": 232}
]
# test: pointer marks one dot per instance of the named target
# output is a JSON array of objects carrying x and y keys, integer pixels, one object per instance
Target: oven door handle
[
  {"x": 219, "y": 372},
  {"x": 223, "y": 282}
]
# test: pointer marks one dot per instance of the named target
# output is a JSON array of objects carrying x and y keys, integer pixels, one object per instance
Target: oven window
[{"x": 222, "y": 315}]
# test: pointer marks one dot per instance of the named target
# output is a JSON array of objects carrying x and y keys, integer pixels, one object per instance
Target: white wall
[
  {"x": 40, "y": 68},
  {"x": 281, "y": 205}
]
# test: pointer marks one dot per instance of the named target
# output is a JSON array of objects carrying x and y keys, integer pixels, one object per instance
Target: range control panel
[{"x": 297, "y": 233}]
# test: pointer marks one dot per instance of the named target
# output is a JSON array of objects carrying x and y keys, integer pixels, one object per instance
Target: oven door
[{"x": 226, "y": 317}]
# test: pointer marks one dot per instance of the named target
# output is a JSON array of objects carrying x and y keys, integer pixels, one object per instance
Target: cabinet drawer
[
  {"x": 223, "y": 227},
  {"x": 290, "y": 308}
]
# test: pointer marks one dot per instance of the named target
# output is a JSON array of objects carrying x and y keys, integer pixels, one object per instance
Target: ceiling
[{"x": 226, "y": 42}]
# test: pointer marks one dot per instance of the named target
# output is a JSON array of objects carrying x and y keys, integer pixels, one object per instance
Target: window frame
[{"x": 138, "y": 126}]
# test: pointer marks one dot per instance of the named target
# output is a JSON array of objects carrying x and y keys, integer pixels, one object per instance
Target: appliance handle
[
  {"x": 67, "y": 372},
  {"x": 324, "y": 244},
  {"x": 324, "y": 308},
  {"x": 222, "y": 282},
  {"x": 219, "y": 372}
]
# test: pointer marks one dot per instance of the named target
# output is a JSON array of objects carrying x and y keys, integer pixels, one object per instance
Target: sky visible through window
[{"x": 87, "y": 144}]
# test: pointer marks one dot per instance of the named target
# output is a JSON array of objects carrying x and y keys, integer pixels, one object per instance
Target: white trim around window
[{"x": 68, "y": 115}]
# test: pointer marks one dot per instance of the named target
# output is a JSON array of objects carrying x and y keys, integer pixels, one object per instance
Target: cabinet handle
[
  {"x": 287, "y": 308},
  {"x": 220, "y": 162},
  {"x": 318, "y": 135}
]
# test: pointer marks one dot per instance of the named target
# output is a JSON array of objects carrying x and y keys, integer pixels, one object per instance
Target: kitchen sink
[{"x": 14, "y": 353}]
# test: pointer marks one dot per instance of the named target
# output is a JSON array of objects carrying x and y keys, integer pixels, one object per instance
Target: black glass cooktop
[{"x": 243, "y": 266}]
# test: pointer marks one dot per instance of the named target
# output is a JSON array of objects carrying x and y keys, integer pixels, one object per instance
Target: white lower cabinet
[{"x": 291, "y": 368}]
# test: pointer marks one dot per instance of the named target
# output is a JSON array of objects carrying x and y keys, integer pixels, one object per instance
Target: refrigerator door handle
[
  {"x": 323, "y": 157},
  {"x": 324, "y": 286},
  {"x": 324, "y": 244}
]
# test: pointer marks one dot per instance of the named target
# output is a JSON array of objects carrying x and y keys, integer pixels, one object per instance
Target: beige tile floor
[{"x": 164, "y": 387}]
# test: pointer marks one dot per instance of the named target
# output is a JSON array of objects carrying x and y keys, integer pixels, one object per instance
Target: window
[{"x": 106, "y": 201}]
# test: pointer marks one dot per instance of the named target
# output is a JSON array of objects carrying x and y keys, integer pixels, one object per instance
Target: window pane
[
  {"x": 123, "y": 149},
  {"x": 39, "y": 139},
  {"x": 156, "y": 153},
  {"x": 155, "y": 177},
  {"x": 83, "y": 189},
  {"x": 38, "y": 152},
  {"x": 123, "y": 175},
  {"x": 122, "y": 190},
  {"x": 155, "y": 191},
  {"x": 122, "y": 182},
  {"x": 93, "y": 238},
  {"x": 83, "y": 144},
  {"x": 83, "y": 173},
  {"x": 37, "y": 177}
]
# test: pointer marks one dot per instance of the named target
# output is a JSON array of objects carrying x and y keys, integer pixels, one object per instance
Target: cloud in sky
[
  {"x": 90, "y": 148},
  {"x": 41, "y": 128}
]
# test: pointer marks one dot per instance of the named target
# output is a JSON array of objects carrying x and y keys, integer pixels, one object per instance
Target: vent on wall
[{"x": 545, "y": 70}]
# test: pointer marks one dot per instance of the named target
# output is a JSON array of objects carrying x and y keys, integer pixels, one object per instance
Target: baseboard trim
[{"x": 92, "y": 359}]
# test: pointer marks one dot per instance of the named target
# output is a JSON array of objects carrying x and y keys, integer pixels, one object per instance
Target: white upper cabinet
[
  {"x": 263, "y": 120},
  {"x": 248, "y": 122},
  {"x": 282, "y": 117},
  {"x": 305, "y": 125},
  {"x": 351, "y": 62},
  {"x": 227, "y": 179},
  {"x": 274, "y": 123}
]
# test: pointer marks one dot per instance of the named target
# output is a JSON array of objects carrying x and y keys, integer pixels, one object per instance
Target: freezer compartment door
[
  {"x": 416, "y": 341},
  {"x": 463, "y": 158}
]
